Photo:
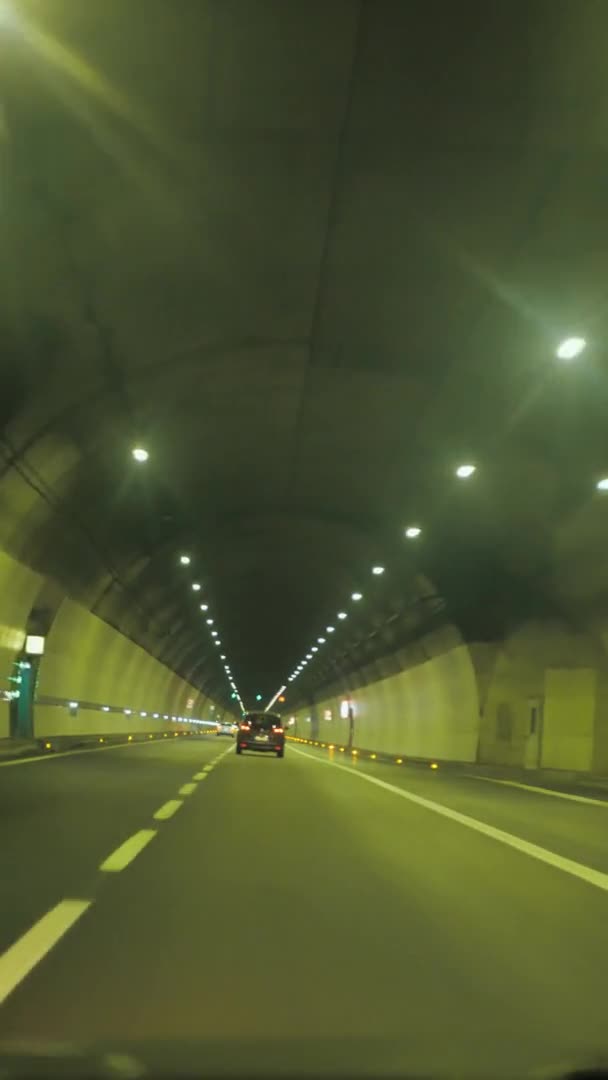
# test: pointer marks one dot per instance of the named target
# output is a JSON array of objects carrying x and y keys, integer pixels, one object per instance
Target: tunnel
[{"x": 303, "y": 398}]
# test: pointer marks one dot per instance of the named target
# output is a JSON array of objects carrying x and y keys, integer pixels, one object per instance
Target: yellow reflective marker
[
  {"x": 373, "y": 757},
  {"x": 434, "y": 765},
  {"x": 130, "y": 739},
  {"x": 331, "y": 746},
  {"x": 48, "y": 746},
  {"x": 101, "y": 740},
  {"x": 354, "y": 753},
  {"x": 399, "y": 761},
  {"x": 341, "y": 749}
]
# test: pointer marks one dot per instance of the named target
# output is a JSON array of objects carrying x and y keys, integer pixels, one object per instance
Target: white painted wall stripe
[{"x": 550, "y": 858}]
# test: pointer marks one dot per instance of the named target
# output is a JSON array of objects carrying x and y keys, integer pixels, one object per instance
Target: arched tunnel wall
[
  {"x": 537, "y": 699},
  {"x": 89, "y": 662}
]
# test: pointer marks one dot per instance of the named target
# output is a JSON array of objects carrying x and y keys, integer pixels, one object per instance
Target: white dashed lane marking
[
  {"x": 123, "y": 855},
  {"x": 18, "y": 960},
  {"x": 168, "y": 809}
]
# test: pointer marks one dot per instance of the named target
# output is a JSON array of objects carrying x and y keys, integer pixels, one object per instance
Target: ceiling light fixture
[
  {"x": 412, "y": 532},
  {"x": 464, "y": 471},
  {"x": 570, "y": 347},
  {"x": 185, "y": 560},
  {"x": 139, "y": 454}
]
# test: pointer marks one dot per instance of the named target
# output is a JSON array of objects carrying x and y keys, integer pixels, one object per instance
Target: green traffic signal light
[{"x": 258, "y": 697}]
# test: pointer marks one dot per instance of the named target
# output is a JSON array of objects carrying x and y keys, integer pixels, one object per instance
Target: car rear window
[{"x": 263, "y": 720}]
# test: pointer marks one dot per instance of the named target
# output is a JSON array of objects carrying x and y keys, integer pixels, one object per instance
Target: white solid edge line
[
  {"x": 568, "y": 866},
  {"x": 167, "y": 810},
  {"x": 540, "y": 790},
  {"x": 72, "y": 753},
  {"x": 21, "y": 957},
  {"x": 128, "y": 851},
  {"x": 187, "y": 789}
]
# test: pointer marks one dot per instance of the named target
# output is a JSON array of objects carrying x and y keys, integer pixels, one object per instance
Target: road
[{"x": 314, "y": 914}]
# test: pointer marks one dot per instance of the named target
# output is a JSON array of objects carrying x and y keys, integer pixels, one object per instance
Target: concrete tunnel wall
[
  {"x": 86, "y": 660},
  {"x": 428, "y": 710},
  {"x": 539, "y": 699}
]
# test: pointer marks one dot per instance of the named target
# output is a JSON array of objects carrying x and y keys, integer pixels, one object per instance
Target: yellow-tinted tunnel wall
[{"x": 86, "y": 660}]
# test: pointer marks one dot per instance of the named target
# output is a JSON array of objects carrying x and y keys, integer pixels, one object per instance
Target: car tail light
[
  {"x": 277, "y": 730},
  {"x": 245, "y": 727}
]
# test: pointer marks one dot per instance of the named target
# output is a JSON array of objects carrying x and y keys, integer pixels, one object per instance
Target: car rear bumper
[{"x": 244, "y": 745}]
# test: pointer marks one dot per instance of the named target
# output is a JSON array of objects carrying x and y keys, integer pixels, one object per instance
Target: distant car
[
  {"x": 261, "y": 731},
  {"x": 225, "y": 729}
]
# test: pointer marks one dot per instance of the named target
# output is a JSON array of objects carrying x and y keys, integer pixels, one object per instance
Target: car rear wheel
[
  {"x": 238, "y": 749},
  {"x": 280, "y": 753}
]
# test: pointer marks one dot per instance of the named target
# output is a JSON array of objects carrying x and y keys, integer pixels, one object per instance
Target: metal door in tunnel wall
[{"x": 534, "y": 737}]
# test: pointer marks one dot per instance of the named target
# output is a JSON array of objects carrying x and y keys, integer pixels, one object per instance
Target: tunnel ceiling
[{"x": 312, "y": 255}]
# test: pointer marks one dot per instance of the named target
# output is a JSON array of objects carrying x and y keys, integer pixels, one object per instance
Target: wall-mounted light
[{"x": 34, "y": 645}]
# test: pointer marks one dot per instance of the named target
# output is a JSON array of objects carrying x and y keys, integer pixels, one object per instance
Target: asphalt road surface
[{"x": 205, "y": 912}]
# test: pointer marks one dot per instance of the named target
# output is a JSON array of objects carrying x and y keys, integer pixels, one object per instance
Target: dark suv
[{"x": 261, "y": 731}]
